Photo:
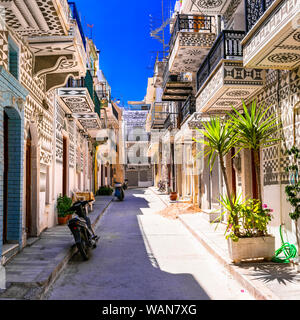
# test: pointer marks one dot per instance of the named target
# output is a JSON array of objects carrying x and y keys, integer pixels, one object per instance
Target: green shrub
[
  {"x": 64, "y": 203},
  {"x": 253, "y": 219},
  {"x": 105, "y": 191}
]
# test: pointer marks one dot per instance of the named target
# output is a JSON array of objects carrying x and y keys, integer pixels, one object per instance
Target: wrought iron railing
[
  {"x": 254, "y": 10},
  {"x": 188, "y": 108},
  {"x": 159, "y": 114},
  {"x": 227, "y": 46},
  {"x": 171, "y": 121},
  {"x": 191, "y": 23}
]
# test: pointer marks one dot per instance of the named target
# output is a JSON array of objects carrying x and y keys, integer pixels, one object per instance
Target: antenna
[
  {"x": 91, "y": 26},
  {"x": 159, "y": 33}
]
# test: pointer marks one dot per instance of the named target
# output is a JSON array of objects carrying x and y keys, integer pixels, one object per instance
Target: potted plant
[
  {"x": 173, "y": 196},
  {"x": 64, "y": 203},
  {"x": 248, "y": 220},
  {"x": 253, "y": 130},
  {"x": 253, "y": 240}
]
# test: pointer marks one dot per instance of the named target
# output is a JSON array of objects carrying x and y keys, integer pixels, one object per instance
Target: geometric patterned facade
[{"x": 274, "y": 42}]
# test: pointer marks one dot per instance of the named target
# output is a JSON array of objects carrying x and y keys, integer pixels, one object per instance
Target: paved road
[{"x": 143, "y": 256}]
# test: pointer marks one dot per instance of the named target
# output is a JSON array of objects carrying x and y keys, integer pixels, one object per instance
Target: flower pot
[
  {"x": 62, "y": 220},
  {"x": 173, "y": 196},
  {"x": 70, "y": 216},
  {"x": 251, "y": 248}
]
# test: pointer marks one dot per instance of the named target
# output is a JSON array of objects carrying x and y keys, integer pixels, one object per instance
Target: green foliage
[
  {"x": 248, "y": 218},
  {"x": 105, "y": 191},
  {"x": 218, "y": 138},
  {"x": 293, "y": 188},
  {"x": 64, "y": 203},
  {"x": 254, "y": 129}
]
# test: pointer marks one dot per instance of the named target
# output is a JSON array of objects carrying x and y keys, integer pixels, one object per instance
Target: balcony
[
  {"x": 214, "y": 7},
  {"x": 273, "y": 40},
  {"x": 159, "y": 115},
  {"x": 191, "y": 39},
  {"x": 176, "y": 87},
  {"x": 38, "y": 18},
  {"x": 188, "y": 108},
  {"x": 82, "y": 102},
  {"x": 222, "y": 81},
  {"x": 54, "y": 37}
]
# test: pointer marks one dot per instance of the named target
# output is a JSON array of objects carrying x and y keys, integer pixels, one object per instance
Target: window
[{"x": 13, "y": 58}]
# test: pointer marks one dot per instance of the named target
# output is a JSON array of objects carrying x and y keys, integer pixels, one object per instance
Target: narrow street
[{"x": 143, "y": 256}]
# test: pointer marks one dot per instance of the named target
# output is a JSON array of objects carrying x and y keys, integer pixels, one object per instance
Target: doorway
[
  {"x": 65, "y": 167},
  {"x": 28, "y": 184},
  {"x": 5, "y": 177}
]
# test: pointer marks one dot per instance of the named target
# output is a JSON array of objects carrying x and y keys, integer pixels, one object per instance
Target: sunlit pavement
[{"x": 143, "y": 256}]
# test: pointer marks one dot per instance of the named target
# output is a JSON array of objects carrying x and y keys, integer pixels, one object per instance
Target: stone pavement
[
  {"x": 31, "y": 272},
  {"x": 264, "y": 280}
]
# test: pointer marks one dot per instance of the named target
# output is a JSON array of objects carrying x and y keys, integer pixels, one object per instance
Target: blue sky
[{"x": 122, "y": 32}]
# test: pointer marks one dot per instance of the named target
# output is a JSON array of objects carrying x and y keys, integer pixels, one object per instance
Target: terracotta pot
[
  {"x": 173, "y": 196},
  {"x": 62, "y": 220}
]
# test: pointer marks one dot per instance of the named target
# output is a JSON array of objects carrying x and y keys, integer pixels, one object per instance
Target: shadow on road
[{"x": 121, "y": 268}]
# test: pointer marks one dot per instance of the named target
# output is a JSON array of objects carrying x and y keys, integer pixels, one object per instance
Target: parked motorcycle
[
  {"x": 81, "y": 228},
  {"x": 119, "y": 192}
]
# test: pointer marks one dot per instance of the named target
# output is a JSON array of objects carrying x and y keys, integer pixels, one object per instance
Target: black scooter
[{"x": 82, "y": 230}]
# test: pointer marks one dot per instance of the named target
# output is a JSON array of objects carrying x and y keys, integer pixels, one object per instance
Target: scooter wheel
[{"x": 83, "y": 249}]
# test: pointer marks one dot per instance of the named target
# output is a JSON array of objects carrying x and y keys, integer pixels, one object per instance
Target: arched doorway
[{"x": 13, "y": 143}]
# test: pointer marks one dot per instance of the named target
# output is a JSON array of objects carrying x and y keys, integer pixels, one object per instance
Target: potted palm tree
[
  {"x": 248, "y": 219},
  {"x": 253, "y": 129}
]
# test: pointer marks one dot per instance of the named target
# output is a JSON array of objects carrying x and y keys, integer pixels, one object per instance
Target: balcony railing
[
  {"x": 191, "y": 23},
  {"x": 159, "y": 115},
  {"x": 188, "y": 108},
  {"x": 227, "y": 46},
  {"x": 171, "y": 121},
  {"x": 254, "y": 10}
]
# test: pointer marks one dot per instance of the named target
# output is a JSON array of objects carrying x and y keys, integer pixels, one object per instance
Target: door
[
  {"x": 65, "y": 167},
  {"x": 5, "y": 178},
  {"x": 28, "y": 185}
]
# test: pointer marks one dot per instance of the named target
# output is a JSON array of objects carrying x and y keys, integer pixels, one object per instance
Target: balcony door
[{"x": 198, "y": 23}]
